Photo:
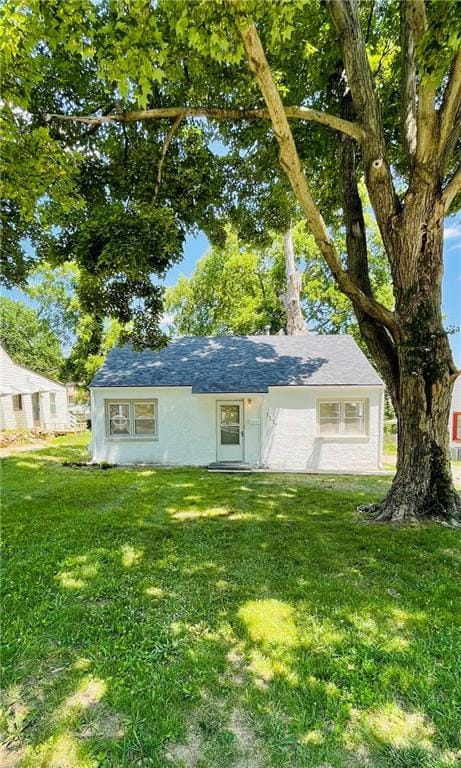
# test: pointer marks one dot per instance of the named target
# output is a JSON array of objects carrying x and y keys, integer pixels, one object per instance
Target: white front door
[{"x": 229, "y": 427}]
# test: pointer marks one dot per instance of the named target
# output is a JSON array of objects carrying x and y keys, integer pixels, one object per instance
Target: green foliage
[
  {"x": 28, "y": 339},
  {"x": 90, "y": 195},
  {"x": 285, "y": 631},
  {"x": 233, "y": 290},
  {"x": 53, "y": 289},
  {"x": 93, "y": 340},
  {"x": 238, "y": 289}
]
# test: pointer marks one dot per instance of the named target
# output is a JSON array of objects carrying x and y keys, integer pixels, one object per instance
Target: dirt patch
[
  {"x": 11, "y": 754},
  {"x": 189, "y": 752},
  {"x": 247, "y": 742},
  {"x": 107, "y": 725}
]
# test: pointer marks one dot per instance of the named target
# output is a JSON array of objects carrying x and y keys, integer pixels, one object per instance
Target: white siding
[
  {"x": 280, "y": 429},
  {"x": 16, "y": 378},
  {"x": 186, "y": 428}
]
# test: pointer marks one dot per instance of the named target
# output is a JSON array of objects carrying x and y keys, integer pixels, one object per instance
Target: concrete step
[{"x": 229, "y": 466}]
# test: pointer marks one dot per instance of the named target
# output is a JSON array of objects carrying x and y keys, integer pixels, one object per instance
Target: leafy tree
[
  {"x": 55, "y": 292},
  {"x": 110, "y": 96},
  {"x": 53, "y": 289},
  {"x": 28, "y": 339},
  {"x": 238, "y": 289},
  {"x": 232, "y": 290}
]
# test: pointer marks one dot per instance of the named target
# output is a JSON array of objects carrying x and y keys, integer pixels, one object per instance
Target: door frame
[{"x": 230, "y": 401}]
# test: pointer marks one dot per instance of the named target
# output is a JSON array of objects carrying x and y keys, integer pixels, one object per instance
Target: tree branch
[
  {"x": 426, "y": 115},
  {"x": 452, "y": 188},
  {"x": 408, "y": 105},
  {"x": 216, "y": 113},
  {"x": 450, "y": 111},
  {"x": 376, "y": 337},
  {"x": 166, "y": 144},
  {"x": 291, "y": 164},
  {"x": 377, "y": 170}
]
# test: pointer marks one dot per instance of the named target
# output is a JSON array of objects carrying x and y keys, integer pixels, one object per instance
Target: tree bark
[
  {"x": 422, "y": 487},
  {"x": 292, "y": 299}
]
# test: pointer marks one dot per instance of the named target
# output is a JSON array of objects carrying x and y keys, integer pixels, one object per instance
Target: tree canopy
[
  {"x": 29, "y": 339},
  {"x": 239, "y": 289}
]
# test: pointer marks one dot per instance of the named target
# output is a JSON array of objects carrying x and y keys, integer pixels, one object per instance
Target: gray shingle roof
[{"x": 212, "y": 364}]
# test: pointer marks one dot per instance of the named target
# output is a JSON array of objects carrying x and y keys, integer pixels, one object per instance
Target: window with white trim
[
  {"x": 53, "y": 403},
  {"x": 342, "y": 417},
  {"x": 17, "y": 402},
  {"x": 131, "y": 418}
]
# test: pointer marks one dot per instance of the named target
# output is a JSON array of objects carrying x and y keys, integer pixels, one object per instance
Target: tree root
[{"x": 395, "y": 510}]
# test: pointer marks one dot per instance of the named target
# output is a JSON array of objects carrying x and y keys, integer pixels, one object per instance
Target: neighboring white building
[
  {"x": 281, "y": 402},
  {"x": 455, "y": 420},
  {"x": 29, "y": 400}
]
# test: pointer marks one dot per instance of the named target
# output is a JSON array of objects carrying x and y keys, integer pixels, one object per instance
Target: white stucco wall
[
  {"x": 186, "y": 428},
  {"x": 21, "y": 380},
  {"x": 280, "y": 429},
  {"x": 290, "y": 433}
]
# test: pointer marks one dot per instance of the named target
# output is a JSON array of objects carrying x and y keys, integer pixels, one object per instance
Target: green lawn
[{"x": 177, "y": 618}]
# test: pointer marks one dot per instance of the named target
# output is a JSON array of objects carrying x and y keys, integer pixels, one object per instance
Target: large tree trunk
[{"x": 423, "y": 486}]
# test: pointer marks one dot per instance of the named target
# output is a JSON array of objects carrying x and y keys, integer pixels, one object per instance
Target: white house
[
  {"x": 455, "y": 421},
  {"x": 29, "y": 400},
  {"x": 279, "y": 402}
]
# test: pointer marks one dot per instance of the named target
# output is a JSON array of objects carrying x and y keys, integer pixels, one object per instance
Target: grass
[{"x": 179, "y": 618}]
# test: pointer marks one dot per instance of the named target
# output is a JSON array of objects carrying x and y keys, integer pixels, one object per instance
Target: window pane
[
  {"x": 144, "y": 427},
  {"x": 17, "y": 402},
  {"x": 329, "y": 410},
  {"x": 328, "y": 427},
  {"x": 144, "y": 423},
  {"x": 329, "y": 418},
  {"x": 52, "y": 403},
  {"x": 354, "y": 426},
  {"x": 144, "y": 410},
  {"x": 230, "y": 435},
  {"x": 354, "y": 409},
  {"x": 354, "y": 417},
  {"x": 119, "y": 419},
  {"x": 230, "y": 414}
]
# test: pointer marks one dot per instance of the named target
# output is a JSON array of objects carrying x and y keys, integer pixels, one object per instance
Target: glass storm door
[
  {"x": 230, "y": 430},
  {"x": 36, "y": 409}
]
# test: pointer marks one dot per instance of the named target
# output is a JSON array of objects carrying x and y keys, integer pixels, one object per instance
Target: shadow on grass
[{"x": 181, "y": 618}]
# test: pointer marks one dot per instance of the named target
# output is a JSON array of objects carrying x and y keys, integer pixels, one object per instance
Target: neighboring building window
[
  {"x": 456, "y": 435},
  {"x": 17, "y": 402},
  {"x": 342, "y": 417},
  {"x": 53, "y": 403},
  {"x": 132, "y": 418}
]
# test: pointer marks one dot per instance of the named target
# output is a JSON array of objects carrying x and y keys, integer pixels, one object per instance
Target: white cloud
[{"x": 452, "y": 232}]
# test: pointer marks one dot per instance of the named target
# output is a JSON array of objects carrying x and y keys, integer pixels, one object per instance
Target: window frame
[
  {"x": 20, "y": 407},
  {"x": 456, "y": 421},
  {"x": 53, "y": 404},
  {"x": 131, "y": 403},
  {"x": 342, "y": 434}
]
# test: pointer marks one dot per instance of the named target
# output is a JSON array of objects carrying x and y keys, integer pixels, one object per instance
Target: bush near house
[{"x": 179, "y": 618}]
